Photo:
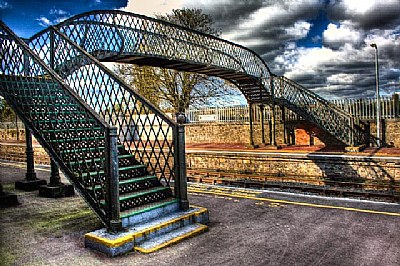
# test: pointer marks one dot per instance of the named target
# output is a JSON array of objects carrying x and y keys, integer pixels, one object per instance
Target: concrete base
[
  {"x": 30, "y": 185},
  {"x": 151, "y": 235},
  {"x": 59, "y": 191},
  {"x": 355, "y": 148},
  {"x": 8, "y": 199}
]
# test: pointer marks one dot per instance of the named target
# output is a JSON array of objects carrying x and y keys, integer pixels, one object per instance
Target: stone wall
[
  {"x": 16, "y": 152},
  {"x": 313, "y": 166},
  {"x": 298, "y": 133}
]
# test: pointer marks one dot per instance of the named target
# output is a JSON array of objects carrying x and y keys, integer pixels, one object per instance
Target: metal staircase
[{"x": 116, "y": 182}]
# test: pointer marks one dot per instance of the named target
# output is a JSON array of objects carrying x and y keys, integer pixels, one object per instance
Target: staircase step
[
  {"x": 99, "y": 159},
  {"x": 131, "y": 185},
  {"x": 127, "y": 168},
  {"x": 151, "y": 232},
  {"x": 145, "y": 192},
  {"x": 65, "y": 121},
  {"x": 149, "y": 211},
  {"x": 171, "y": 238},
  {"x": 68, "y": 130},
  {"x": 76, "y": 139},
  {"x": 87, "y": 149}
]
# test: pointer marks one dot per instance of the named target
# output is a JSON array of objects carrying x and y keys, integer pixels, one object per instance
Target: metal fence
[
  {"x": 364, "y": 109},
  {"x": 238, "y": 113}
]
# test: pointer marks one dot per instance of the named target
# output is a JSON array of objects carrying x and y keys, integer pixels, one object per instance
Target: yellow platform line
[
  {"x": 202, "y": 228},
  {"x": 112, "y": 243},
  {"x": 294, "y": 202}
]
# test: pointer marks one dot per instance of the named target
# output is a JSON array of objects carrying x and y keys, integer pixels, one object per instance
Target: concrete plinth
[
  {"x": 150, "y": 235},
  {"x": 29, "y": 185},
  {"x": 8, "y": 199},
  {"x": 58, "y": 191}
]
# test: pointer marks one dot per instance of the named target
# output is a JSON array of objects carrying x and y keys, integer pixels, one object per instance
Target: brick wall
[{"x": 16, "y": 152}]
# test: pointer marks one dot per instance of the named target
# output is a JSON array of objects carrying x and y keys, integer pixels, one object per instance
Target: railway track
[{"x": 365, "y": 189}]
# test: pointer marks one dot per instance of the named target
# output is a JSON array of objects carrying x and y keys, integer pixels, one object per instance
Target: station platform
[
  {"x": 319, "y": 149},
  {"x": 247, "y": 227}
]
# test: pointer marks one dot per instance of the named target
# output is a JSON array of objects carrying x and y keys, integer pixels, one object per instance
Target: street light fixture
[{"x": 378, "y": 101}]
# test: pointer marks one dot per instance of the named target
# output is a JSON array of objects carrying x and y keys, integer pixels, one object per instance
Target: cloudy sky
[{"x": 322, "y": 44}]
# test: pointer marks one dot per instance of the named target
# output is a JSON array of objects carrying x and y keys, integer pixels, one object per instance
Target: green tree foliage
[
  {"x": 174, "y": 90},
  {"x": 6, "y": 113}
]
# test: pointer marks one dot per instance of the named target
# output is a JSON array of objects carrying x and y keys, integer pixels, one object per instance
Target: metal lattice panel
[
  {"x": 124, "y": 37},
  {"x": 143, "y": 130},
  {"x": 72, "y": 133}
]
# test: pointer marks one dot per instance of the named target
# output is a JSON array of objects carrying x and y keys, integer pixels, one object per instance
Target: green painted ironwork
[{"x": 103, "y": 134}]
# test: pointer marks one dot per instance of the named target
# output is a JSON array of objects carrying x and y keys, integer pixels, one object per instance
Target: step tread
[
  {"x": 88, "y": 149},
  {"x": 168, "y": 218},
  {"x": 132, "y": 180},
  {"x": 99, "y": 159},
  {"x": 148, "y": 207},
  {"x": 170, "y": 238},
  {"x": 143, "y": 192},
  {"x": 125, "y": 168},
  {"x": 68, "y": 129},
  {"x": 76, "y": 139}
]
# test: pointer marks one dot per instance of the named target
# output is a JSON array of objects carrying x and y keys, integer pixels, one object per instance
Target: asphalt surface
[{"x": 248, "y": 227}]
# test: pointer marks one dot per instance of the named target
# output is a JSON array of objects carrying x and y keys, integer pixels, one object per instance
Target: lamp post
[{"x": 378, "y": 102}]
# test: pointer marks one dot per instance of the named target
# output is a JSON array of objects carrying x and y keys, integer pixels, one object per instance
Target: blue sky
[{"x": 322, "y": 44}]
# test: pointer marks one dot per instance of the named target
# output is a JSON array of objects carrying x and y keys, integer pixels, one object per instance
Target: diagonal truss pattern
[{"x": 119, "y": 36}]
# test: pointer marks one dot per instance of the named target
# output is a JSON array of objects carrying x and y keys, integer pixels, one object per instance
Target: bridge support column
[
  {"x": 262, "y": 109},
  {"x": 251, "y": 127},
  {"x": 272, "y": 127},
  {"x": 180, "y": 164},
  {"x": 31, "y": 182},
  {"x": 285, "y": 135},
  {"x": 112, "y": 180},
  {"x": 56, "y": 189}
]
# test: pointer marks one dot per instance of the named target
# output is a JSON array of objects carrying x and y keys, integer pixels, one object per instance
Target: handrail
[{"x": 24, "y": 79}]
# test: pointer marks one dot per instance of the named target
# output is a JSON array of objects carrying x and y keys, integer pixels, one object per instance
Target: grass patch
[{"x": 80, "y": 217}]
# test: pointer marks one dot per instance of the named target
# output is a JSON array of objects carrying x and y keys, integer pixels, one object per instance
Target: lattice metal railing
[
  {"x": 313, "y": 108},
  {"x": 126, "y": 37},
  {"x": 65, "y": 126},
  {"x": 144, "y": 131},
  {"x": 114, "y": 35}
]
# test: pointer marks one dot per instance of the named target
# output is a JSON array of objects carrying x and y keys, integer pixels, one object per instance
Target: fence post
[
  {"x": 352, "y": 142},
  {"x": 180, "y": 164},
  {"x": 396, "y": 104},
  {"x": 251, "y": 124},
  {"x": 112, "y": 179},
  {"x": 272, "y": 128},
  {"x": 262, "y": 108},
  {"x": 30, "y": 161}
]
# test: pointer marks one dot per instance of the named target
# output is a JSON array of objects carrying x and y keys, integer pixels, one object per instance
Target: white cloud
[
  {"x": 338, "y": 35},
  {"x": 5, "y": 5},
  {"x": 43, "y": 21},
  {"x": 55, "y": 11},
  {"x": 299, "y": 30},
  {"x": 152, "y": 7},
  {"x": 359, "y": 6}
]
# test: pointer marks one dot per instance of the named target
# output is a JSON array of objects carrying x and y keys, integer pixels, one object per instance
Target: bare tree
[{"x": 174, "y": 90}]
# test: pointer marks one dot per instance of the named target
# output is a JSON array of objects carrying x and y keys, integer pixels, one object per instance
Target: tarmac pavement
[{"x": 248, "y": 227}]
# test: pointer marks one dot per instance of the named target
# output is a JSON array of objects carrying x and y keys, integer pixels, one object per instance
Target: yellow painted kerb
[
  {"x": 202, "y": 228},
  {"x": 112, "y": 243}
]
